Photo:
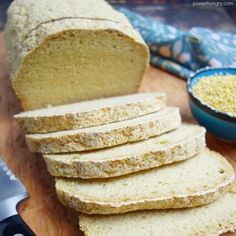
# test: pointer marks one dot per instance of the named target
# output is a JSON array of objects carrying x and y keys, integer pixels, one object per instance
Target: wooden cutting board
[{"x": 42, "y": 211}]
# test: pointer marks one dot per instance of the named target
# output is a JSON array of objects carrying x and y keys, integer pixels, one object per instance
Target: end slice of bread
[
  {"x": 90, "y": 113},
  {"x": 196, "y": 181},
  {"x": 177, "y": 145},
  {"x": 108, "y": 135},
  {"x": 213, "y": 219}
]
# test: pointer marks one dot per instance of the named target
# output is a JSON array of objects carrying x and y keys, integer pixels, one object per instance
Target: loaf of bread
[
  {"x": 193, "y": 182},
  {"x": 177, "y": 145},
  {"x": 90, "y": 113},
  {"x": 108, "y": 135},
  {"x": 64, "y": 51},
  {"x": 209, "y": 220}
]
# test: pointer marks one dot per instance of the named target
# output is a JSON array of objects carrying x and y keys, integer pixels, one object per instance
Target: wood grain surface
[{"x": 42, "y": 211}]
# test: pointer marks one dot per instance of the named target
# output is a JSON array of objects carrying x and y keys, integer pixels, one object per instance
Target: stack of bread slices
[{"x": 130, "y": 167}]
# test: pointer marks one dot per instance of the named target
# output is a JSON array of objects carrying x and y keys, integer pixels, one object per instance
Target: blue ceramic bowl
[{"x": 220, "y": 124}]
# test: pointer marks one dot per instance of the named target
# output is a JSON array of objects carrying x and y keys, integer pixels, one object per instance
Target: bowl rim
[{"x": 200, "y": 103}]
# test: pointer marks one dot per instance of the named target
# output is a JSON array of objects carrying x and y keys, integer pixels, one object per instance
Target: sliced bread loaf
[
  {"x": 196, "y": 181},
  {"x": 90, "y": 113},
  {"x": 67, "y": 51},
  {"x": 211, "y": 220},
  {"x": 176, "y": 145},
  {"x": 131, "y": 130}
]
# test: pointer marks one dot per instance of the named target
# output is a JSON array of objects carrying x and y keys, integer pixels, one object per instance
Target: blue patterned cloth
[{"x": 183, "y": 52}]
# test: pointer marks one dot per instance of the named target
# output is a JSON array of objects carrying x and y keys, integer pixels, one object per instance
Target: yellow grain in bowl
[{"x": 218, "y": 92}]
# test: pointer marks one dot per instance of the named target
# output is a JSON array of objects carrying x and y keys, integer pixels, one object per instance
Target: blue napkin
[{"x": 183, "y": 52}]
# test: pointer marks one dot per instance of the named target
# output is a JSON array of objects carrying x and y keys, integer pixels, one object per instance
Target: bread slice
[
  {"x": 211, "y": 220},
  {"x": 196, "y": 181},
  {"x": 90, "y": 113},
  {"x": 131, "y": 130},
  {"x": 174, "y": 146}
]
